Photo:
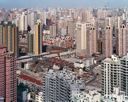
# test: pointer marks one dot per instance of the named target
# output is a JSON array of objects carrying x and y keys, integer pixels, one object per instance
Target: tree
[{"x": 28, "y": 28}]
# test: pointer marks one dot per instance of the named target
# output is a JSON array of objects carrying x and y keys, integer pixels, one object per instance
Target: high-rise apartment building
[
  {"x": 61, "y": 86},
  {"x": 86, "y": 38},
  {"x": 1, "y": 34},
  {"x": 124, "y": 74},
  {"x": 25, "y": 22},
  {"x": 30, "y": 43},
  {"x": 108, "y": 48},
  {"x": 108, "y": 21},
  {"x": 9, "y": 36},
  {"x": 22, "y": 22},
  {"x": 71, "y": 28},
  {"x": 37, "y": 39},
  {"x": 122, "y": 40},
  {"x": 100, "y": 41},
  {"x": 81, "y": 33},
  {"x": 91, "y": 41},
  {"x": 115, "y": 74},
  {"x": 8, "y": 82},
  {"x": 81, "y": 37},
  {"x": 110, "y": 74},
  {"x": 53, "y": 29},
  {"x": 31, "y": 18}
]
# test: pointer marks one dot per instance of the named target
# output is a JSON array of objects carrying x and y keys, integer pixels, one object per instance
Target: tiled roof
[{"x": 30, "y": 79}]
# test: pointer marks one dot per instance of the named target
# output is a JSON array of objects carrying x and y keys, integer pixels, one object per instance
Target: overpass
[{"x": 46, "y": 54}]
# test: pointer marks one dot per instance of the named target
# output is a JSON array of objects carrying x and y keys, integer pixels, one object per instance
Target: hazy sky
[{"x": 62, "y": 3}]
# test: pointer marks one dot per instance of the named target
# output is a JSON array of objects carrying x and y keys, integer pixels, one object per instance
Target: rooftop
[
  {"x": 113, "y": 60},
  {"x": 68, "y": 77},
  {"x": 30, "y": 79}
]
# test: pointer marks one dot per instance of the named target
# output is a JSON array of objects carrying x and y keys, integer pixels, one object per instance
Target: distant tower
[
  {"x": 53, "y": 29},
  {"x": 106, "y": 4},
  {"x": 122, "y": 40},
  {"x": 30, "y": 43},
  {"x": 8, "y": 81},
  {"x": 22, "y": 22},
  {"x": 9, "y": 36},
  {"x": 31, "y": 18},
  {"x": 108, "y": 42},
  {"x": 81, "y": 30},
  {"x": 92, "y": 41},
  {"x": 100, "y": 41},
  {"x": 38, "y": 39},
  {"x": 119, "y": 22},
  {"x": 86, "y": 39},
  {"x": 70, "y": 28},
  {"x": 25, "y": 22}
]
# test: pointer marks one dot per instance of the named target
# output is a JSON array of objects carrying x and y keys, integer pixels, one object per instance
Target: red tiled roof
[{"x": 30, "y": 79}]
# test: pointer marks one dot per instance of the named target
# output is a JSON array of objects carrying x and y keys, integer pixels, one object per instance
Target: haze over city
[{"x": 62, "y": 3}]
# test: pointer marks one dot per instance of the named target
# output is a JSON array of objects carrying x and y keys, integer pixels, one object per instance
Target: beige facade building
[
  {"x": 9, "y": 36},
  {"x": 92, "y": 41},
  {"x": 122, "y": 40},
  {"x": 81, "y": 34},
  {"x": 108, "y": 42},
  {"x": 37, "y": 39},
  {"x": 86, "y": 39}
]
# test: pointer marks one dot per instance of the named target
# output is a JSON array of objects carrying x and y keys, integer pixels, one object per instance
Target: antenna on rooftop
[{"x": 106, "y": 3}]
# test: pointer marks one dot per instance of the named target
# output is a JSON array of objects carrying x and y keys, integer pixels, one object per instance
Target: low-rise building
[
  {"x": 90, "y": 96},
  {"x": 39, "y": 97},
  {"x": 116, "y": 96}
]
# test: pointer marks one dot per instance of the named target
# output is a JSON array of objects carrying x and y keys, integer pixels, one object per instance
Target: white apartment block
[
  {"x": 114, "y": 74},
  {"x": 116, "y": 96},
  {"x": 60, "y": 86}
]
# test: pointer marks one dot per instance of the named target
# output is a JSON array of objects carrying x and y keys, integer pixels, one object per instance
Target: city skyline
[
  {"x": 63, "y": 51},
  {"x": 62, "y": 3}
]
